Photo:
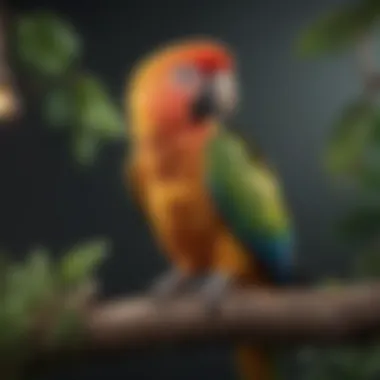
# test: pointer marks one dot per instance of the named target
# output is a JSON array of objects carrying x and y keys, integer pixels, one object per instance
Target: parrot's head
[{"x": 186, "y": 86}]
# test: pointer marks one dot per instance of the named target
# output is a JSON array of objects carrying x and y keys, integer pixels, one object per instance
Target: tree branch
[{"x": 293, "y": 316}]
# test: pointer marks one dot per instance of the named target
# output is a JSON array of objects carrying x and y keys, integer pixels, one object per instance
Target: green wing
[{"x": 248, "y": 197}]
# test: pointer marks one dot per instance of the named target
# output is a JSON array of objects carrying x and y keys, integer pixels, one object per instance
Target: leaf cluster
[
  {"x": 37, "y": 285},
  {"x": 50, "y": 51},
  {"x": 352, "y": 155},
  {"x": 338, "y": 30}
]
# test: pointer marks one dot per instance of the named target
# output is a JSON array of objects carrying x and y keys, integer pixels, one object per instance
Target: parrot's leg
[
  {"x": 214, "y": 289},
  {"x": 170, "y": 284}
]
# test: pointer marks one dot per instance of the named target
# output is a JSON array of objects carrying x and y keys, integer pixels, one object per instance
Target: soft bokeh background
[{"x": 288, "y": 106}]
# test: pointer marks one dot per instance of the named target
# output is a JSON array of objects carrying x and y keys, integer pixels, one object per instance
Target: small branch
[
  {"x": 328, "y": 316},
  {"x": 366, "y": 59},
  {"x": 368, "y": 66}
]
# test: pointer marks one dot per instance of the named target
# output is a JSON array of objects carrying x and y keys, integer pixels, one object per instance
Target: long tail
[{"x": 254, "y": 363}]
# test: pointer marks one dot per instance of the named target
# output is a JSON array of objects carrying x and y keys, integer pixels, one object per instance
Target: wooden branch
[{"x": 293, "y": 316}]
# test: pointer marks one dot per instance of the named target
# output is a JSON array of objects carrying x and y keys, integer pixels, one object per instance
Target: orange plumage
[{"x": 166, "y": 168}]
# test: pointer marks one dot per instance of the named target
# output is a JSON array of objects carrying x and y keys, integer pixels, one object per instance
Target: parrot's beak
[
  {"x": 205, "y": 103},
  {"x": 217, "y": 98}
]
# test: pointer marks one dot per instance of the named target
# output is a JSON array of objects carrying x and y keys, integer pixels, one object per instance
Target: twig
[
  {"x": 367, "y": 65},
  {"x": 324, "y": 316}
]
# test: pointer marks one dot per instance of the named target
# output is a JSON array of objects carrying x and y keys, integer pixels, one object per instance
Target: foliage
[
  {"x": 38, "y": 284},
  {"x": 41, "y": 298},
  {"x": 346, "y": 362},
  {"x": 50, "y": 51},
  {"x": 352, "y": 153},
  {"x": 47, "y": 45},
  {"x": 338, "y": 30},
  {"x": 351, "y": 137}
]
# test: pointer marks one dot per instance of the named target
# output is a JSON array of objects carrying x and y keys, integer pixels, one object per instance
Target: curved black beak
[
  {"x": 205, "y": 104},
  {"x": 217, "y": 98}
]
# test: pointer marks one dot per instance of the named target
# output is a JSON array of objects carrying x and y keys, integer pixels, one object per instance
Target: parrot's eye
[{"x": 186, "y": 75}]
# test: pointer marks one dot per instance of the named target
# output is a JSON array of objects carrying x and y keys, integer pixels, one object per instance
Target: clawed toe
[
  {"x": 169, "y": 285},
  {"x": 214, "y": 290},
  {"x": 175, "y": 283}
]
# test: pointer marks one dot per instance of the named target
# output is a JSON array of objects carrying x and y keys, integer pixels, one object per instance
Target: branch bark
[{"x": 293, "y": 316}]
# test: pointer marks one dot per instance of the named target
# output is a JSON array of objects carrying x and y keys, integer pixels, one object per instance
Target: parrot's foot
[
  {"x": 213, "y": 291},
  {"x": 169, "y": 285}
]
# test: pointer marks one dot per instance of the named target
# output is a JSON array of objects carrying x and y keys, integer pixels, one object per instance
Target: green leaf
[
  {"x": 78, "y": 265},
  {"x": 46, "y": 44},
  {"x": 14, "y": 316},
  {"x": 350, "y": 139},
  {"x": 38, "y": 277},
  {"x": 95, "y": 110},
  {"x": 27, "y": 286},
  {"x": 85, "y": 106},
  {"x": 337, "y": 30}
]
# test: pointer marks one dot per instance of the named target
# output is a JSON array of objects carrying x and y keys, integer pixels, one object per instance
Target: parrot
[{"x": 215, "y": 208}]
